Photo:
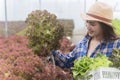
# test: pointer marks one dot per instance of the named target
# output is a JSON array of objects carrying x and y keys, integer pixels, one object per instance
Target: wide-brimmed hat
[{"x": 101, "y": 12}]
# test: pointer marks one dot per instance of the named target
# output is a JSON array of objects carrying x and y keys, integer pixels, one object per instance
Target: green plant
[
  {"x": 115, "y": 58},
  {"x": 116, "y": 24},
  {"x": 45, "y": 32},
  {"x": 81, "y": 67},
  {"x": 85, "y": 64}
]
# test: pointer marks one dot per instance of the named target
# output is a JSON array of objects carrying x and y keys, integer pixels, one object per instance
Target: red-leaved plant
[{"x": 18, "y": 62}]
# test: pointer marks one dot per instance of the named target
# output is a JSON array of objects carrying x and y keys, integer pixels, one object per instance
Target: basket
[{"x": 104, "y": 73}]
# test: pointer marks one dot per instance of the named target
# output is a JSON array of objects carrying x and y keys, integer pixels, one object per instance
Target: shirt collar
[{"x": 87, "y": 38}]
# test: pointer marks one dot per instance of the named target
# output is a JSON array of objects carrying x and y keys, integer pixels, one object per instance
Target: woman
[{"x": 100, "y": 37}]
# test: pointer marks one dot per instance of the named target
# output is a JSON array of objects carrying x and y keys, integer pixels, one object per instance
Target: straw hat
[{"x": 99, "y": 12}]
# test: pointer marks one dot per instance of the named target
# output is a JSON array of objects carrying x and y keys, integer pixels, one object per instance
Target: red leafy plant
[{"x": 18, "y": 62}]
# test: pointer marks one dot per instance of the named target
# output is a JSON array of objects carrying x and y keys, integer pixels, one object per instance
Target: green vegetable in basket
[
  {"x": 85, "y": 64},
  {"x": 81, "y": 66},
  {"x": 101, "y": 60}
]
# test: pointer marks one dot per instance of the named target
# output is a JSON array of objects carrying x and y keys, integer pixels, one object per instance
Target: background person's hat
[{"x": 99, "y": 12}]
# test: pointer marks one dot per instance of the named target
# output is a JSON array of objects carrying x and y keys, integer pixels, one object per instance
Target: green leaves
[
  {"x": 45, "y": 32},
  {"x": 85, "y": 64},
  {"x": 101, "y": 61},
  {"x": 116, "y": 24},
  {"x": 82, "y": 66},
  {"x": 115, "y": 58}
]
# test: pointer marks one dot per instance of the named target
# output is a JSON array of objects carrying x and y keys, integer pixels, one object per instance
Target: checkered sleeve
[
  {"x": 118, "y": 44},
  {"x": 65, "y": 61},
  {"x": 111, "y": 46}
]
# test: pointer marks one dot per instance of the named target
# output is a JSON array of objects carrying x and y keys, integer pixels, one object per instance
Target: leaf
[{"x": 85, "y": 64}]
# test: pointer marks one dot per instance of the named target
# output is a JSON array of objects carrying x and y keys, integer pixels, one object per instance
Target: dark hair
[{"x": 108, "y": 32}]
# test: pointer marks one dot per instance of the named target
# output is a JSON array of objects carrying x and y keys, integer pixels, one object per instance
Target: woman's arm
[{"x": 66, "y": 61}]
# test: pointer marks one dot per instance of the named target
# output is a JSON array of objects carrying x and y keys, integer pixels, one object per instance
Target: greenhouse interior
[{"x": 60, "y": 40}]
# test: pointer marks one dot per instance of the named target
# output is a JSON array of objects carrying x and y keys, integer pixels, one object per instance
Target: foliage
[
  {"x": 18, "y": 62},
  {"x": 23, "y": 32},
  {"x": 85, "y": 64},
  {"x": 116, "y": 24},
  {"x": 115, "y": 58},
  {"x": 81, "y": 67},
  {"x": 45, "y": 32}
]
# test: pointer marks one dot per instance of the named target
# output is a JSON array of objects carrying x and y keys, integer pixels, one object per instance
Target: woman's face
[{"x": 94, "y": 28}]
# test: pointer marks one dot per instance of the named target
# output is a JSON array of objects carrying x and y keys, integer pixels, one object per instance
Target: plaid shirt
[{"x": 66, "y": 61}]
